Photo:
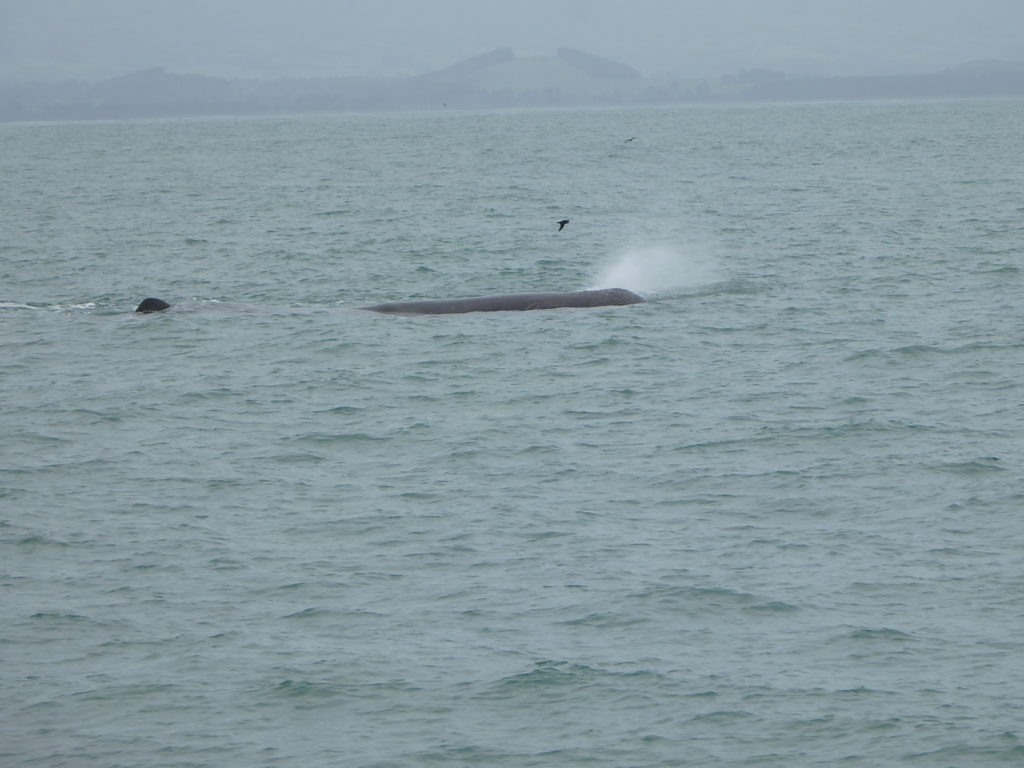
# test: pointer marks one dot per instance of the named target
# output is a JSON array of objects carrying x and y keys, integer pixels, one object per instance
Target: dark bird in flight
[
  {"x": 629, "y": 139},
  {"x": 562, "y": 223}
]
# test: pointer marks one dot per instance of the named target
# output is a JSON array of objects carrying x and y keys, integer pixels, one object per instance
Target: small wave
[
  {"x": 305, "y": 689},
  {"x": 341, "y": 410},
  {"x": 977, "y": 466},
  {"x": 308, "y": 613},
  {"x": 51, "y": 307},
  {"x": 773, "y": 606},
  {"x": 299, "y": 457},
  {"x": 603, "y": 620},
  {"x": 701, "y": 598},
  {"x": 725, "y": 715},
  {"x": 325, "y": 437},
  {"x": 885, "y": 633},
  {"x": 925, "y": 350},
  {"x": 54, "y": 616},
  {"x": 549, "y": 673},
  {"x": 37, "y": 540}
]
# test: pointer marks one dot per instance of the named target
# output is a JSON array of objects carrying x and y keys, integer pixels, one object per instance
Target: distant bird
[
  {"x": 629, "y": 139},
  {"x": 562, "y": 223}
]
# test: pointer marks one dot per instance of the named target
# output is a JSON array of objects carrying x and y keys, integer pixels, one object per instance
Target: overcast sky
[{"x": 94, "y": 39}]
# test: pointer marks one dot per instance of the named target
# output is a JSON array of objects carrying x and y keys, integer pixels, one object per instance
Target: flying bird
[
  {"x": 629, "y": 139},
  {"x": 562, "y": 223}
]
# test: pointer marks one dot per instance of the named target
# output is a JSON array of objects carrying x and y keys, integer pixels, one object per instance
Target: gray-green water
[{"x": 773, "y": 517}]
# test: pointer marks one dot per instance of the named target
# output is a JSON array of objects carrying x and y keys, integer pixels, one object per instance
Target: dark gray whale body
[
  {"x": 510, "y": 301},
  {"x": 152, "y": 305}
]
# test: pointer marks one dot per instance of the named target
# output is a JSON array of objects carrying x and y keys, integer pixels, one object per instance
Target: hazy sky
[{"x": 94, "y": 39}]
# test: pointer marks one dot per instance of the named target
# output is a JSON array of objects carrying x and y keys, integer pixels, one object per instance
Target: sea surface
[{"x": 773, "y": 517}]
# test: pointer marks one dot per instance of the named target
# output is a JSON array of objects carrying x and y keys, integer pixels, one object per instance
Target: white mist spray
[{"x": 657, "y": 269}]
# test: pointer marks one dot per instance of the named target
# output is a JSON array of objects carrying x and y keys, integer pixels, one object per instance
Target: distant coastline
[{"x": 494, "y": 80}]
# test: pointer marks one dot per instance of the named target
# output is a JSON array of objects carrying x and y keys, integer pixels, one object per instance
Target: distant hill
[
  {"x": 491, "y": 80},
  {"x": 157, "y": 88},
  {"x": 586, "y": 65},
  {"x": 470, "y": 68},
  {"x": 571, "y": 76},
  {"x": 597, "y": 67},
  {"x": 971, "y": 80}
]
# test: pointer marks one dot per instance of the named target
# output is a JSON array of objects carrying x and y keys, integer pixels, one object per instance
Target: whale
[
  {"x": 152, "y": 305},
  {"x": 604, "y": 297}
]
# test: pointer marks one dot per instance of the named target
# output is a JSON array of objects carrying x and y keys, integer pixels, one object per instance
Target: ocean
[{"x": 772, "y": 517}]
